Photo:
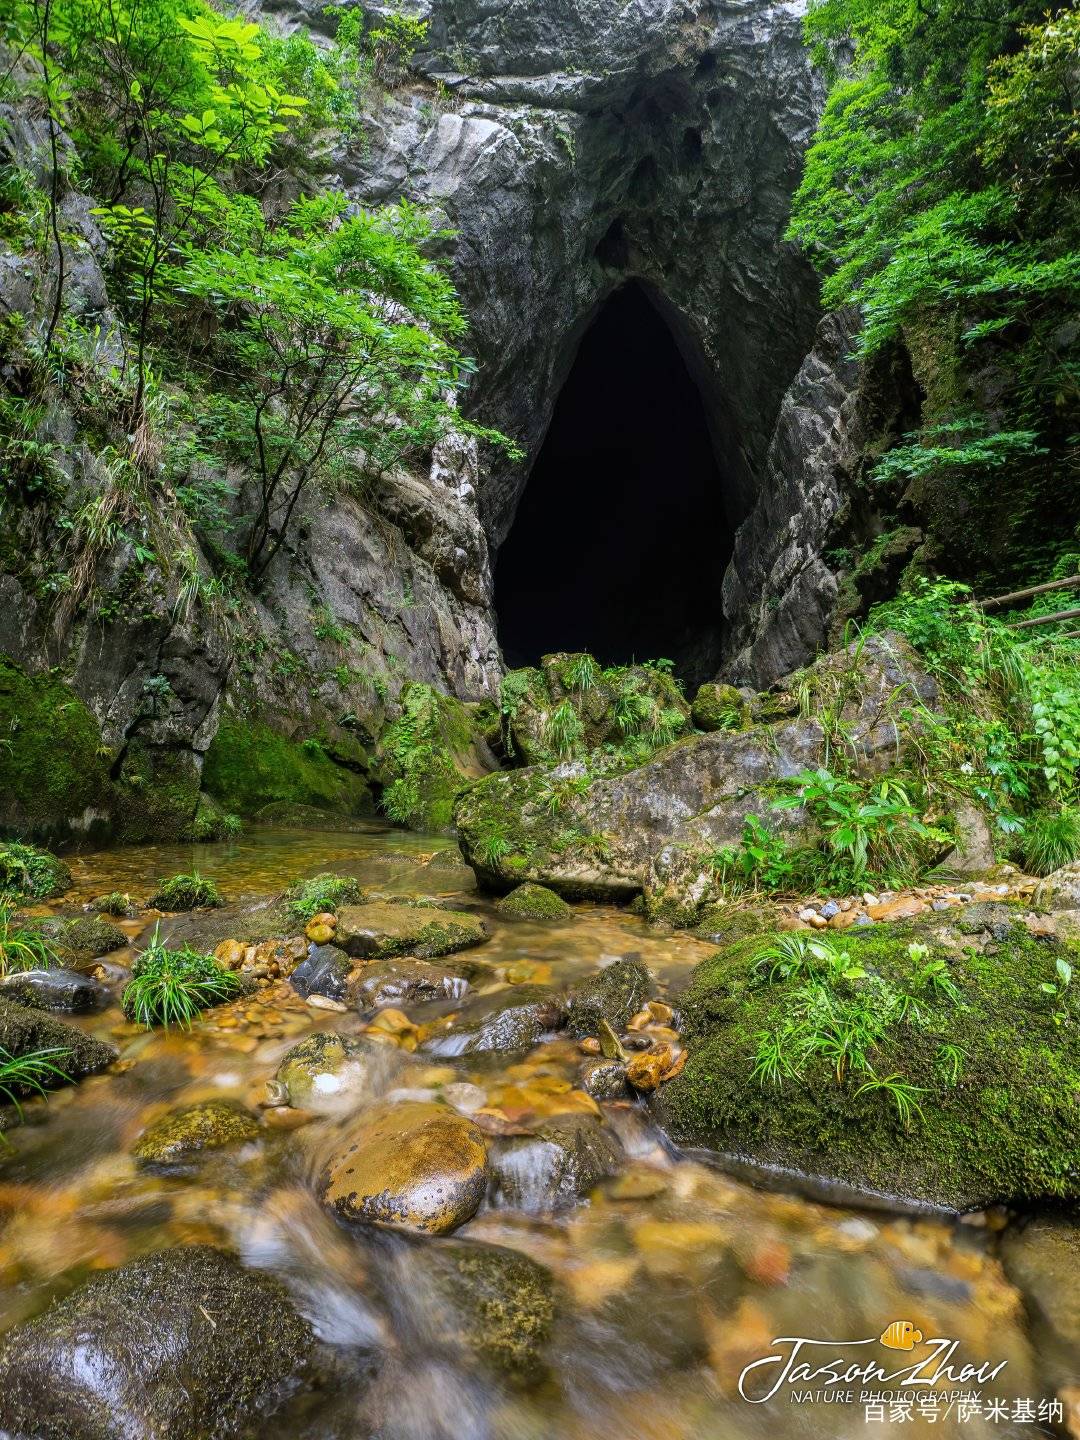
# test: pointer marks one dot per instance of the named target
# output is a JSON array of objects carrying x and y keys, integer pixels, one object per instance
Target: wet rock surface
[
  {"x": 535, "y": 902},
  {"x": 183, "y": 1342},
  {"x": 1043, "y": 1259},
  {"x": 59, "y": 989},
  {"x": 179, "y": 1137},
  {"x": 507, "y": 1022},
  {"x": 505, "y": 1303},
  {"x": 404, "y": 982},
  {"x": 614, "y": 994},
  {"x": 326, "y": 1071},
  {"x": 324, "y": 972},
  {"x": 557, "y": 1165},
  {"x": 414, "y": 1164},
  {"x": 382, "y": 931}
]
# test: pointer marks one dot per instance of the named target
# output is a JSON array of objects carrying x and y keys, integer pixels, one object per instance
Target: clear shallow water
[{"x": 672, "y": 1277}]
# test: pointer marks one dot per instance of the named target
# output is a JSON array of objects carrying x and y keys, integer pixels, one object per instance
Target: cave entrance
[{"x": 620, "y": 540}]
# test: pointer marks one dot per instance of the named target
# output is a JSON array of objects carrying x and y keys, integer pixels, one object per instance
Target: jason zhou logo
[{"x": 826, "y": 1368}]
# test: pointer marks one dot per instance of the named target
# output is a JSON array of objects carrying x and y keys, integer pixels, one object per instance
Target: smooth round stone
[
  {"x": 179, "y": 1136},
  {"x": 415, "y": 1164}
]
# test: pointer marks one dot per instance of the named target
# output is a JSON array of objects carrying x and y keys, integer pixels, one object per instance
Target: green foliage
[
  {"x": 940, "y": 197},
  {"x": 563, "y": 729},
  {"x": 492, "y": 845},
  {"x": 117, "y": 903},
  {"x": 26, "y": 870},
  {"x": 422, "y": 751},
  {"x": 581, "y": 673},
  {"x": 170, "y": 987},
  {"x": 870, "y": 827},
  {"x": 1050, "y": 839},
  {"x": 185, "y": 892},
  {"x": 30, "y": 1074},
  {"x": 321, "y": 893},
  {"x": 22, "y": 947},
  {"x": 761, "y": 860}
]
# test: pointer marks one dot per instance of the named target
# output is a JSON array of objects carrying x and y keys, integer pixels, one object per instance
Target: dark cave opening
[{"x": 620, "y": 540}]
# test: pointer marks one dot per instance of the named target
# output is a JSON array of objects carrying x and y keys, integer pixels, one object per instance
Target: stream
[{"x": 671, "y": 1277}]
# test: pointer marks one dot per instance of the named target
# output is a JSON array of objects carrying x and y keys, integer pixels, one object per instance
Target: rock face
[
  {"x": 180, "y": 1136},
  {"x": 131, "y": 1354},
  {"x": 414, "y": 1164},
  {"x": 579, "y": 148},
  {"x": 648, "y": 828}
]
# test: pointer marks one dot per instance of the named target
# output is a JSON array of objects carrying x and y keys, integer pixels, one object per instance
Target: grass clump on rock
[
  {"x": 535, "y": 902},
  {"x": 118, "y": 904},
  {"x": 940, "y": 1069},
  {"x": 22, "y": 945},
  {"x": 170, "y": 987},
  {"x": 185, "y": 892},
  {"x": 320, "y": 894},
  {"x": 27, "y": 871}
]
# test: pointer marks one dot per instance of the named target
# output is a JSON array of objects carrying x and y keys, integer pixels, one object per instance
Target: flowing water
[{"x": 672, "y": 1276}]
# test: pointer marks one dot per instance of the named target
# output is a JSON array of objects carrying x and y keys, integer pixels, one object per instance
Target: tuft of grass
[
  {"x": 30, "y": 1074},
  {"x": 581, "y": 673},
  {"x": 900, "y": 1091},
  {"x": 22, "y": 947},
  {"x": 322, "y": 892},
  {"x": 563, "y": 729},
  {"x": 185, "y": 892},
  {"x": 170, "y": 987},
  {"x": 1050, "y": 840},
  {"x": 491, "y": 847}
]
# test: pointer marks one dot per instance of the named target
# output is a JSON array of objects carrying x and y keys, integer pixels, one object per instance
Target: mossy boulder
[
  {"x": 31, "y": 873},
  {"x": 178, "y": 1137},
  {"x": 569, "y": 706},
  {"x": 81, "y": 939},
  {"x": 535, "y": 902},
  {"x": 427, "y": 754},
  {"x": 720, "y": 707},
  {"x": 250, "y": 765},
  {"x": 382, "y": 931},
  {"x": 320, "y": 893},
  {"x": 997, "y": 1117},
  {"x": 502, "y": 1305},
  {"x": 182, "y": 1342},
  {"x": 414, "y": 1164},
  {"x": 614, "y": 994},
  {"x": 24, "y": 1030},
  {"x": 557, "y": 1165},
  {"x": 186, "y": 892}
]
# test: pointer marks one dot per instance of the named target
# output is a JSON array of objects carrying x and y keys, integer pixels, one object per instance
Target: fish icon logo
[{"x": 901, "y": 1335}]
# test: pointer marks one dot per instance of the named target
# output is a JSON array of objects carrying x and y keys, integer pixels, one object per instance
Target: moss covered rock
[
  {"x": 249, "y": 765},
  {"x": 613, "y": 994},
  {"x": 427, "y": 754},
  {"x": 183, "y": 1134},
  {"x": 382, "y": 931},
  {"x": 720, "y": 707},
  {"x": 186, "y": 892},
  {"x": 325, "y": 1070},
  {"x": 507, "y": 1022},
  {"x": 413, "y": 1164},
  {"x": 535, "y": 902},
  {"x": 997, "y": 1116},
  {"x": 132, "y": 1352},
  {"x": 54, "y": 770},
  {"x": 56, "y": 989},
  {"x": 32, "y": 873},
  {"x": 324, "y": 892},
  {"x": 503, "y": 1305},
  {"x": 24, "y": 1030},
  {"x": 82, "y": 938}
]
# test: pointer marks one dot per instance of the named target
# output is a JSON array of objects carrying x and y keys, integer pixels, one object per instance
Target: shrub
[
  {"x": 1050, "y": 840},
  {"x": 322, "y": 892},
  {"x": 761, "y": 860},
  {"x": 25, "y": 870},
  {"x": 170, "y": 987},
  {"x": 185, "y": 892}
]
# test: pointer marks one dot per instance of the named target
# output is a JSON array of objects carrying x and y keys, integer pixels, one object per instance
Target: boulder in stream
[
  {"x": 181, "y": 1135},
  {"x": 382, "y": 931},
  {"x": 24, "y": 1030},
  {"x": 557, "y": 1165},
  {"x": 184, "y": 1342},
  {"x": 506, "y": 1022},
  {"x": 614, "y": 994},
  {"x": 404, "y": 982},
  {"x": 59, "y": 989},
  {"x": 415, "y": 1164}
]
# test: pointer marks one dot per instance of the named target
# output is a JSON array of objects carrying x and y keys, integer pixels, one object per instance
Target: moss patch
[
  {"x": 53, "y": 769},
  {"x": 321, "y": 893},
  {"x": 80, "y": 939},
  {"x": 535, "y": 902},
  {"x": 380, "y": 932},
  {"x": 1008, "y": 1128},
  {"x": 211, "y": 1125},
  {"x": 428, "y": 754},
  {"x": 249, "y": 765}
]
